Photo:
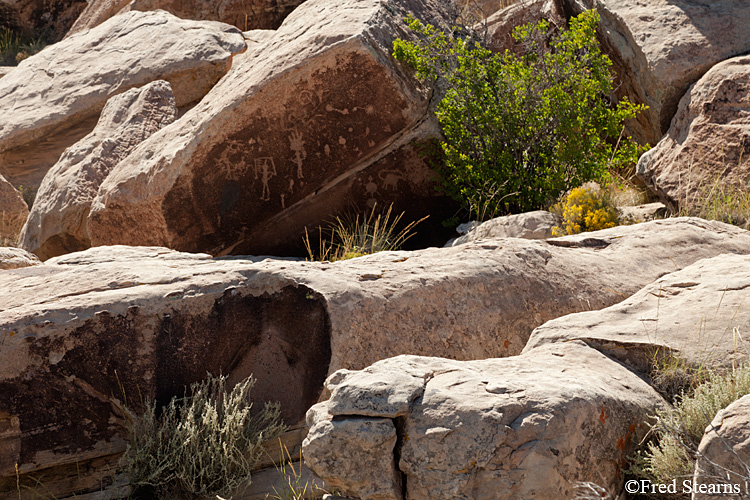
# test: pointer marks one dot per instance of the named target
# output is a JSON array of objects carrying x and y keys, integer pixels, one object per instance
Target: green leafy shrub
[
  {"x": 585, "y": 208},
  {"x": 350, "y": 237},
  {"x": 203, "y": 444},
  {"x": 535, "y": 124},
  {"x": 679, "y": 429}
]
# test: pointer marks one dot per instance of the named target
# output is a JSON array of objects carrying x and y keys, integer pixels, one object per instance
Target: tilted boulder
[
  {"x": 57, "y": 223},
  {"x": 721, "y": 469},
  {"x": 244, "y": 14},
  {"x": 51, "y": 100},
  {"x": 16, "y": 258},
  {"x": 317, "y": 118},
  {"x": 707, "y": 147},
  {"x": 13, "y": 212},
  {"x": 661, "y": 47},
  {"x": 697, "y": 315},
  {"x": 529, "y": 426}
]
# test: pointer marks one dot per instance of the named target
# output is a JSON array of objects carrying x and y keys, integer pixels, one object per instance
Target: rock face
[
  {"x": 317, "y": 116},
  {"x": 529, "y": 426},
  {"x": 709, "y": 140},
  {"x": 48, "y": 98},
  {"x": 13, "y": 212},
  {"x": 530, "y": 225},
  {"x": 161, "y": 319},
  {"x": 500, "y": 25},
  {"x": 659, "y": 48},
  {"x": 696, "y": 314},
  {"x": 724, "y": 454},
  {"x": 57, "y": 223},
  {"x": 244, "y": 14},
  {"x": 16, "y": 258}
]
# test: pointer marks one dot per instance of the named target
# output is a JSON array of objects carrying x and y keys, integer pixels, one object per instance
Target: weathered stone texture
[{"x": 57, "y": 223}]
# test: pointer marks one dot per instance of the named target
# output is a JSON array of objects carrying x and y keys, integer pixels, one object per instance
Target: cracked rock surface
[
  {"x": 698, "y": 315},
  {"x": 527, "y": 426}
]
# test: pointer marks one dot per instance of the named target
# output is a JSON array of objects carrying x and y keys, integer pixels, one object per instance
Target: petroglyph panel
[{"x": 328, "y": 122}]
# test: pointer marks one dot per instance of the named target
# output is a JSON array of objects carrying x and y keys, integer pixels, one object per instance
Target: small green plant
[
  {"x": 349, "y": 237},
  {"x": 537, "y": 124},
  {"x": 14, "y": 47},
  {"x": 585, "y": 208},
  {"x": 203, "y": 444},
  {"x": 679, "y": 429}
]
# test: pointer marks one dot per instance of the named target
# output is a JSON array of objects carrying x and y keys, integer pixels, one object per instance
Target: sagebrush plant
[
  {"x": 203, "y": 444},
  {"x": 354, "y": 236},
  {"x": 538, "y": 124},
  {"x": 679, "y": 429},
  {"x": 585, "y": 208}
]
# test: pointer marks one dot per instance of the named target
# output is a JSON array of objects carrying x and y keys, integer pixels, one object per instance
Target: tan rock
[
  {"x": 56, "y": 90},
  {"x": 315, "y": 119},
  {"x": 708, "y": 144},
  {"x": 170, "y": 317},
  {"x": 16, "y": 258},
  {"x": 57, "y": 223},
  {"x": 13, "y": 213},
  {"x": 641, "y": 213},
  {"x": 500, "y": 25},
  {"x": 721, "y": 469},
  {"x": 661, "y": 47},
  {"x": 244, "y": 14},
  {"x": 531, "y": 225},
  {"x": 696, "y": 315},
  {"x": 529, "y": 426},
  {"x": 481, "y": 10}
]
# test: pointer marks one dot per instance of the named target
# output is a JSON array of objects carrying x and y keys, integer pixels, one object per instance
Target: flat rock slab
[
  {"x": 529, "y": 426},
  {"x": 661, "y": 47},
  {"x": 57, "y": 223},
  {"x": 707, "y": 147},
  {"x": 71, "y": 81},
  {"x": 161, "y": 319},
  {"x": 314, "y": 119},
  {"x": 699, "y": 315},
  {"x": 530, "y": 225}
]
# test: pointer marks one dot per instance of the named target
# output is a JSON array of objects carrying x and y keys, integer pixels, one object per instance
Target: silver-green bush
[{"x": 205, "y": 443}]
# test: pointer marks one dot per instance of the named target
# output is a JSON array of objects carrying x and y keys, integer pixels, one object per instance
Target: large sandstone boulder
[
  {"x": 529, "y": 426},
  {"x": 708, "y": 145},
  {"x": 16, "y": 258},
  {"x": 723, "y": 464},
  {"x": 314, "y": 120},
  {"x": 244, "y": 14},
  {"x": 660, "y": 47},
  {"x": 57, "y": 223},
  {"x": 52, "y": 99},
  {"x": 161, "y": 319},
  {"x": 698, "y": 315},
  {"x": 13, "y": 212}
]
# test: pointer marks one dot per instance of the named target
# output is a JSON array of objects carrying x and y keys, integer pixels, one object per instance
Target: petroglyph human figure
[
  {"x": 298, "y": 146},
  {"x": 267, "y": 170}
]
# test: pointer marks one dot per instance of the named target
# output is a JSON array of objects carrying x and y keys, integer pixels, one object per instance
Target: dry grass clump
[
  {"x": 679, "y": 429},
  {"x": 204, "y": 444},
  {"x": 350, "y": 237}
]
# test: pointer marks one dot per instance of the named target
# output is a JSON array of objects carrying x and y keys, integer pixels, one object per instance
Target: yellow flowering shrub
[{"x": 585, "y": 208}]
